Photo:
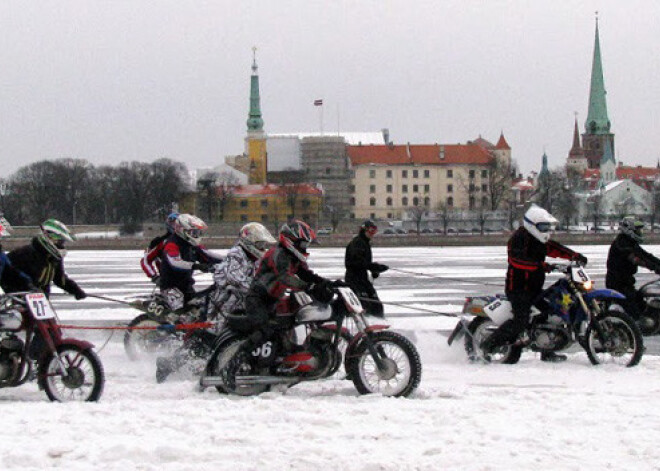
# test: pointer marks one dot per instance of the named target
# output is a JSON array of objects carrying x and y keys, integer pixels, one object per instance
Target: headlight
[{"x": 588, "y": 285}]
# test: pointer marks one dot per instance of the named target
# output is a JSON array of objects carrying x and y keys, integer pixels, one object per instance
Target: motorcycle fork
[{"x": 375, "y": 354}]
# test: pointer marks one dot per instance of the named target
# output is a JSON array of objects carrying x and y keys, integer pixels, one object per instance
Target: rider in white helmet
[{"x": 527, "y": 250}]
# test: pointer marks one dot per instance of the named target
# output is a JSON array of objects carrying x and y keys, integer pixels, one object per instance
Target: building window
[
  {"x": 244, "y": 218},
  {"x": 328, "y": 170},
  {"x": 415, "y": 173},
  {"x": 307, "y": 217},
  {"x": 351, "y": 201},
  {"x": 244, "y": 203},
  {"x": 484, "y": 187},
  {"x": 415, "y": 201},
  {"x": 264, "y": 203},
  {"x": 450, "y": 202},
  {"x": 352, "y": 216},
  {"x": 471, "y": 203},
  {"x": 306, "y": 203},
  {"x": 388, "y": 173},
  {"x": 450, "y": 188},
  {"x": 372, "y": 216},
  {"x": 471, "y": 174},
  {"x": 389, "y": 201},
  {"x": 372, "y": 188},
  {"x": 404, "y": 189},
  {"x": 264, "y": 218},
  {"x": 372, "y": 173},
  {"x": 389, "y": 188},
  {"x": 389, "y": 215},
  {"x": 427, "y": 188},
  {"x": 351, "y": 188},
  {"x": 404, "y": 173},
  {"x": 484, "y": 174},
  {"x": 415, "y": 188},
  {"x": 484, "y": 202},
  {"x": 427, "y": 201},
  {"x": 450, "y": 173},
  {"x": 427, "y": 174},
  {"x": 372, "y": 201},
  {"x": 404, "y": 201}
]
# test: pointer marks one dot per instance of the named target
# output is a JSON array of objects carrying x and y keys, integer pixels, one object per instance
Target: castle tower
[
  {"x": 576, "y": 159},
  {"x": 502, "y": 150},
  {"x": 255, "y": 142},
  {"x": 597, "y": 127}
]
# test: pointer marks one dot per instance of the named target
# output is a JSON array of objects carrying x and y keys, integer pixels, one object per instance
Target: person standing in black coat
[
  {"x": 359, "y": 263},
  {"x": 624, "y": 257}
]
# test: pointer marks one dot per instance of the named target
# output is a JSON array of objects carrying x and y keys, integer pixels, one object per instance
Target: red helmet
[{"x": 296, "y": 237}]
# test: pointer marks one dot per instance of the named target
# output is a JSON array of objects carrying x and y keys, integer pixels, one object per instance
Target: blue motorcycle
[{"x": 571, "y": 311}]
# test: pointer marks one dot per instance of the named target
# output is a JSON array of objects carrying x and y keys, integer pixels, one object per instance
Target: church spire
[
  {"x": 597, "y": 120},
  {"x": 576, "y": 139},
  {"x": 254, "y": 122}
]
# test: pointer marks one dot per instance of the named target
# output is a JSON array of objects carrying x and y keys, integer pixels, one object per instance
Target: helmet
[
  {"x": 539, "y": 223},
  {"x": 255, "y": 239},
  {"x": 169, "y": 222},
  {"x": 190, "y": 228},
  {"x": 632, "y": 227},
  {"x": 54, "y": 235},
  {"x": 5, "y": 227},
  {"x": 296, "y": 236},
  {"x": 369, "y": 227}
]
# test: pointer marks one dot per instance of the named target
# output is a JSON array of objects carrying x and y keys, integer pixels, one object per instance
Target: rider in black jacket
[
  {"x": 527, "y": 250},
  {"x": 358, "y": 261},
  {"x": 624, "y": 257}
]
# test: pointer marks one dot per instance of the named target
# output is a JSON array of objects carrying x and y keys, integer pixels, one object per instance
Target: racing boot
[
  {"x": 164, "y": 368},
  {"x": 552, "y": 357}
]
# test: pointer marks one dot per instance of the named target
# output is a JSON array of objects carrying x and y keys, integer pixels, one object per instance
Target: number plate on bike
[
  {"x": 39, "y": 306},
  {"x": 579, "y": 275},
  {"x": 351, "y": 301}
]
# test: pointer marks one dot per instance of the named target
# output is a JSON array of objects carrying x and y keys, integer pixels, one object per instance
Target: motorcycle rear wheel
[
  {"x": 84, "y": 379},
  {"x": 624, "y": 345},
  {"x": 403, "y": 366},
  {"x": 480, "y": 329},
  {"x": 232, "y": 361},
  {"x": 139, "y": 343}
]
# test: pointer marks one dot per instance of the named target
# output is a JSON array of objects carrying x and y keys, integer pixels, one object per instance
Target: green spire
[
  {"x": 544, "y": 167},
  {"x": 254, "y": 122},
  {"x": 608, "y": 154},
  {"x": 597, "y": 120}
]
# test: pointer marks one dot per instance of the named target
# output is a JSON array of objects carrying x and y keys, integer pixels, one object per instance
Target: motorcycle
[
  {"x": 144, "y": 339},
  {"x": 649, "y": 297},
  {"x": 375, "y": 359},
  {"x": 575, "y": 313},
  {"x": 32, "y": 346}
]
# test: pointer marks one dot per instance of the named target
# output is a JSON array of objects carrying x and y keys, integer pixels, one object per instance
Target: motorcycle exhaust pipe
[
  {"x": 211, "y": 381},
  {"x": 262, "y": 380}
]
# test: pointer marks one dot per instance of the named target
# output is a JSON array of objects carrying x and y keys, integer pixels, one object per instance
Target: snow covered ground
[{"x": 474, "y": 417}]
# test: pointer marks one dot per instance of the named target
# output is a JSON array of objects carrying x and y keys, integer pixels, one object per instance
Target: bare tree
[
  {"x": 499, "y": 182},
  {"x": 446, "y": 215}
]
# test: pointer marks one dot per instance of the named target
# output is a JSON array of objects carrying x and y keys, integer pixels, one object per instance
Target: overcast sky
[{"x": 119, "y": 80}]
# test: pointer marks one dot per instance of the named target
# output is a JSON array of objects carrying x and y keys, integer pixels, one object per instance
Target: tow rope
[
  {"x": 442, "y": 277},
  {"x": 191, "y": 326},
  {"x": 439, "y": 313}
]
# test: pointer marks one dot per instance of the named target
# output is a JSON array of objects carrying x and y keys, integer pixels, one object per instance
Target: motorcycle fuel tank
[
  {"x": 10, "y": 320},
  {"x": 314, "y": 312}
]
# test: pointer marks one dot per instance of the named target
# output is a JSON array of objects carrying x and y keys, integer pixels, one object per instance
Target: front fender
[
  {"x": 603, "y": 294},
  {"x": 81, "y": 344}
]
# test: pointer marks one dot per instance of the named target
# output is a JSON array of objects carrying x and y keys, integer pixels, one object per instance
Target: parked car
[
  {"x": 426, "y": 230},
  {"x": 324, "y": 231},
  {"x": 400, "y": 231},
  {"x": 389, "y": 232}
]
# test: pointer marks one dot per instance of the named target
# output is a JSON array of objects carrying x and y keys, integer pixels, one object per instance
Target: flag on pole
[{"x": 318, "y": 102}]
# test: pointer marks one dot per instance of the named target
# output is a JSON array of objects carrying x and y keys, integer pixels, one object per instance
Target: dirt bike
[
  {"x": 649, "y": 294},
  {"x": 376, "y": 360},
  {"x": 573, "y": 312},
  {"x": 32, "y": 346},
  {"x": 143, "y": 339}
]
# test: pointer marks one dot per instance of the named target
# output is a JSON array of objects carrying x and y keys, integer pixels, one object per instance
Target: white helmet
[
  {"x": 255, "y": 239},
  {"x": 539, "y": 223},
  {"x": 190, "y": 228}
]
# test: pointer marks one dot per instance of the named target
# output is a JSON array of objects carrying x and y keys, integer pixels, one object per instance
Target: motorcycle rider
[
  {"x": 182, "y": 254},
  {"x": 358, "y": 262},
  {"x": 527, "y": 249},
  {"x": 232, "y": 279},
  {"x": 624, "y": 256},
  {"x": 151, "y": 260},
  {"x": 42, "y": 260},
  {"x": 283, "y": 267}
]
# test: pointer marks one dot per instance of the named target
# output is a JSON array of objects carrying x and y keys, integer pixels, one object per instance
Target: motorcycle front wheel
[
  {"x": 402, "y": 370},
  {"x": 621, "y": 343},
  {"x": 480, "y": 328},
  {"x": 82, "y": 379},
  {"x": 140, "y": 343}
]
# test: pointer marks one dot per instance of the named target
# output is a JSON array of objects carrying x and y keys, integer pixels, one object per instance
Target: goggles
[
  {"x": 303, "y": 244},
  {"x": 543, "y": 227},
  {"x": 195, "y": 233}
]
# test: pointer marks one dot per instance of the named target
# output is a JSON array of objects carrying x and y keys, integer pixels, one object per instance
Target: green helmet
[{"x": 54, "y": 235}]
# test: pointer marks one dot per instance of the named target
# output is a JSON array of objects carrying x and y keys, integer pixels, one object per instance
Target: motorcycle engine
[
  {"x": 550, "y": 336},
  {"x": 11, "y": 348}
]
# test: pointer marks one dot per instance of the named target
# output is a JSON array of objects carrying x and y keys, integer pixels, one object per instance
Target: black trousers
[{"x": 521, "y": 303}]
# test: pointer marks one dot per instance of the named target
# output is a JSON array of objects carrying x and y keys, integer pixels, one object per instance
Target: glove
[
  {"x": 80, "y": 294},
  {"x": 156, "y": 280},
  {"x": 169, "y": 328},
  {"x": 322, "y": 292},
  {"x": 378, "y": 268},
  {"x": 548, "y": 267},
  {"x": 375, "y": 274},
  {"x": 339, "y": 284},
  {"x": 581, "y": 259},
  {"x": 203, "y": 267}
]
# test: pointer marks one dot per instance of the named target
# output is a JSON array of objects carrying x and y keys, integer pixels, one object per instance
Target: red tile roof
[
  {"x": 502, "y": 144},
  {"x": 244, "y": 191},
  {"x": 419, "y": 154}
]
